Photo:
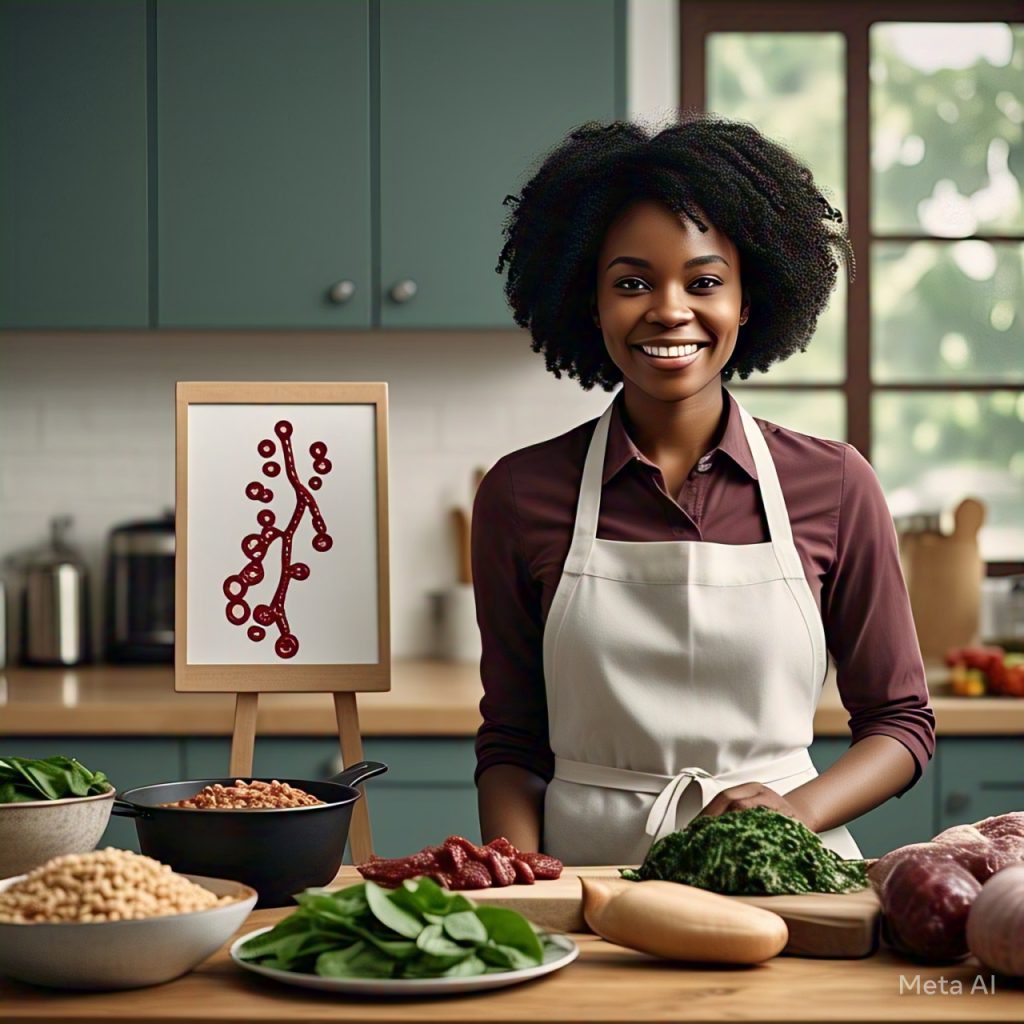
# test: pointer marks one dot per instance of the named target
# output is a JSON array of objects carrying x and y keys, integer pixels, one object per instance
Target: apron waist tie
[{"x": 670, "y": 788}]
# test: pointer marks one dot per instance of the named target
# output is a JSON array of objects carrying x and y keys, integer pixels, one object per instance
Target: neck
[{"x": 675, "y": 432}]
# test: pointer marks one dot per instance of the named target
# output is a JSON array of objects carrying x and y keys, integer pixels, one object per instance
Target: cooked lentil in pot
[{"x": 247, "y": 796}]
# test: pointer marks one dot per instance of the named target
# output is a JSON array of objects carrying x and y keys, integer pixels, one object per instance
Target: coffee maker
[{"x": 140, "y": 591}]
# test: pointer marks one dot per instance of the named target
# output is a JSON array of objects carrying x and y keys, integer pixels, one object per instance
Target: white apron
[{"x": 674, "y": 670}]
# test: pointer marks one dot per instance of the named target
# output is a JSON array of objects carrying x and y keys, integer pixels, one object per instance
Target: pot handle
[
  {"x": 127, "y": 810},
  {"x": 359, "y": 772}
]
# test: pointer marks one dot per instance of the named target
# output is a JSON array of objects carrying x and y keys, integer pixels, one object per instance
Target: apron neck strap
[
  {"x": 588, "y": 505},
  {"x": 779, "y": 530}
]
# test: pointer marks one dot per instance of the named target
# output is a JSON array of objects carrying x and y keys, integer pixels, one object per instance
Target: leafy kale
[
  {"x": 416, "y": 931},
  {"x": 23, "y": 779},
  {"x": 751, "y": 852}
]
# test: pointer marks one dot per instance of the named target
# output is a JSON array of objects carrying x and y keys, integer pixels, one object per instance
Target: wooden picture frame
[{"x": 277, "y": 674}]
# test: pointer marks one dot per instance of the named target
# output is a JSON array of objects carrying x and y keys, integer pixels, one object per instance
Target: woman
[{"x": 658, "y": 590}]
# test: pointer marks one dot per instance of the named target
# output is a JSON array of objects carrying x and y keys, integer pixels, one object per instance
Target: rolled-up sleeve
[
  {"x": 869, "y": 625},
  {"x": 514, "y": 704}
]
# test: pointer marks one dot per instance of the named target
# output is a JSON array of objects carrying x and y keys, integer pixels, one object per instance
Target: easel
[
  {"x": 247, "y": 681},
  {"x": 243, "y": 739}
]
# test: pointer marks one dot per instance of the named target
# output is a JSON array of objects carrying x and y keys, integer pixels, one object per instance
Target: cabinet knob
[
  {"x": 403, "y": 291},
  {"x": 957, "y": 801},
  {"x": 341, "y": 292}
]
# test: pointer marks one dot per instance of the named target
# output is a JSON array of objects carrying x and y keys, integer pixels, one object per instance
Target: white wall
[{"x": 87, "y": 418}]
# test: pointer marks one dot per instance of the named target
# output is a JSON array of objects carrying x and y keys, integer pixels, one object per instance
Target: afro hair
[{"x": 752, "y": 189}]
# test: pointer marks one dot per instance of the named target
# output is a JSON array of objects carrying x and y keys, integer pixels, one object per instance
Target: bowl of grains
[
  {"x": 280, "y": 836},
  {"x": 113, "y": 919}
]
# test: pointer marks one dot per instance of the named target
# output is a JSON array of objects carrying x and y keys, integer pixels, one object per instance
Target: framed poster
[{"x": 281, "y": 575}]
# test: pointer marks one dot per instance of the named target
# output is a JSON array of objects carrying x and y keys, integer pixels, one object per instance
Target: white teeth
[{"x": 672, "y": 351}]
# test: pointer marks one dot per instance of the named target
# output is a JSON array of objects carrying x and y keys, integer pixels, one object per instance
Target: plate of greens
[{"x": 414, "y": 940}]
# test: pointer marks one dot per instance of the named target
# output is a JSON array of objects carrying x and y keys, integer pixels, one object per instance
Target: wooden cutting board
[{"x": 820, "y": 924}]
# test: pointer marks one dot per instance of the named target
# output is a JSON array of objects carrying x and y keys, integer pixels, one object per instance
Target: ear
[{"x": 593, "y": 312}]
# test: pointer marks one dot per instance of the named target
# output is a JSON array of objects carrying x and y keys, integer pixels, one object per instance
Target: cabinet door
[
  {"x": 427, "y": 793},
  {"x": 263, "y": 162},
  {"x": 73, "y": 200},
  {"x": 472, "y": 94},
  {"x": 899, "y": 821},
  {"x": 127, "y": 762},
  {"x": 979, "y": 778}
]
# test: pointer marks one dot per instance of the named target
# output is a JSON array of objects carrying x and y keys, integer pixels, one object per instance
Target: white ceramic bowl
[
  {"x": 122, "y": 954},
  {"x": 31, "y": 833}
]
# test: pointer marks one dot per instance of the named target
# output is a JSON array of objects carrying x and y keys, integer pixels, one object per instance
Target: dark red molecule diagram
[{"x": 256, "y": 545}]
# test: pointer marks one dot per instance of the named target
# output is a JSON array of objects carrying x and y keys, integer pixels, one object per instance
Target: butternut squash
[{"x": 681, "y": 922}]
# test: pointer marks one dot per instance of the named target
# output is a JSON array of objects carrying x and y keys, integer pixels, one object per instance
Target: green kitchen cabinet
[
  {"x": 471, "y": 95},
  {"x": 263, "y": 163},
  {"x": 426, "y": 794},
  {"x": 127, "y": 762},
  {"x": 897, "y": 822},
  {"x": 980, "y": 777},
  {"x": 73, "y": 164}
]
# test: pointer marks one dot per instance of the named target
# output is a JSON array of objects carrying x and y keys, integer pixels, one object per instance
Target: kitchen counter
[
  {"x": 606, "y": 983},
  {"x": 427, "y": 698}
]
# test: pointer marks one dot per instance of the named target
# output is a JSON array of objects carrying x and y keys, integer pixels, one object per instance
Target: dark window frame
[{"x": 852, "y": 18}]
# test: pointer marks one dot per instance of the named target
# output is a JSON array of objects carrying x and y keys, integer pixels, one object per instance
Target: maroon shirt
[{"x": 523, "y": 519}]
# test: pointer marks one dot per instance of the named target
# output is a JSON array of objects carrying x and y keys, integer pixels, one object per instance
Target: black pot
[{"x": 278, "y": 852}]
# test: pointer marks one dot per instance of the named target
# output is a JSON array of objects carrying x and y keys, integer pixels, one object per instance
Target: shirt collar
[{"x": 621, "y": 450}]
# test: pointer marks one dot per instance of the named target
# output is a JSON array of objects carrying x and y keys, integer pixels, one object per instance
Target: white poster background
[{"x": 333, "y": 612}]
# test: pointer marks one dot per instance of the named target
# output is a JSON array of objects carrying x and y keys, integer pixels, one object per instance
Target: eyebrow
[{"x": 697, "y": 261}]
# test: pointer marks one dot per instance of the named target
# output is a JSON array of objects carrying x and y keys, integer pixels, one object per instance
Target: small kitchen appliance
[
  {"x": 55, "y": 611},
  {"x": 140, "y": 591}
]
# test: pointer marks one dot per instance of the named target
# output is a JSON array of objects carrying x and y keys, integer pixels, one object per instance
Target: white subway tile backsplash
[
  {"x": 471, "y": 426},
  {"x": 20, "y": 421},
  {"x": 412, "y": 428},
  {"x": 104, "y": 424}
]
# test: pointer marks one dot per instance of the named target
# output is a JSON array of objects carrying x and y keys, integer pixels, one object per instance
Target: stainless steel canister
[{"x": 55, "y": 619}]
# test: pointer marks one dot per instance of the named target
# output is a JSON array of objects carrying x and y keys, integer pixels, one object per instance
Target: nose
[{"x": 670, "y": 308}]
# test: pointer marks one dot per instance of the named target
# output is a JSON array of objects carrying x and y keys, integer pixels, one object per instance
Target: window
[{"x": 911, "y": 117}]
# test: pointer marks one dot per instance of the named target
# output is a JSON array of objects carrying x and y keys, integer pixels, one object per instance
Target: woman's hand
[{"x": 754, "y": 794}]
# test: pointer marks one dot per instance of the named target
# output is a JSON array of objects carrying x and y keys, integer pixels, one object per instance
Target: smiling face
[{"x": 668, "y": 301}]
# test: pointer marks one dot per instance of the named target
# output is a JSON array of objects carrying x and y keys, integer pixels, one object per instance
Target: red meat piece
[
  {"x": 524, "y": 873},
  {"x": 501, "y": 869},
  {"x": 473, "y": 875},
  {"x": 472, "y": 850},
  {"x": 504, "y": 847},
  {"x": 544, "y": 867}
]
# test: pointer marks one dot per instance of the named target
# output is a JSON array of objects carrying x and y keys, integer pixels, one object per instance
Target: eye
[
  {"x": 711, "y": 282},
  {"x": 625, "y": 279}
]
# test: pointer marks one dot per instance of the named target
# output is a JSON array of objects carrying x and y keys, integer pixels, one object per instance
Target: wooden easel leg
[
  {"x": 360, "y": 840},
  {"x": 243, "y": 736}
]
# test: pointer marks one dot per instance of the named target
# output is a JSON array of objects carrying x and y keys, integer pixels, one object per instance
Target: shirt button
[{"x": 704, "y": 463}]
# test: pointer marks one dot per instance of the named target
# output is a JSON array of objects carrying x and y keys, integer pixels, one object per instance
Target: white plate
[{"x": 554, "y": 959}]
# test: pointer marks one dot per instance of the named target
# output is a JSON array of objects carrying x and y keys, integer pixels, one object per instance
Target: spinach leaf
[
  {"x": 465, "y": 926},
  {"x": 23, "y": 779},
  {"x": 509, "y": 928},
  {"x": 432, "y": 940},
  {"x": 390, "y": 914}
]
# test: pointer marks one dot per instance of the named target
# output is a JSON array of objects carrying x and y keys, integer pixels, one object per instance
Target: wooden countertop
[
  {"x": 427, "y": 698},
  {"x": 606, "y": 983}
]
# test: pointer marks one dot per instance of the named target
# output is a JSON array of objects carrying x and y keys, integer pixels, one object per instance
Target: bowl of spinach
[{"x": 49, "y": 806}]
